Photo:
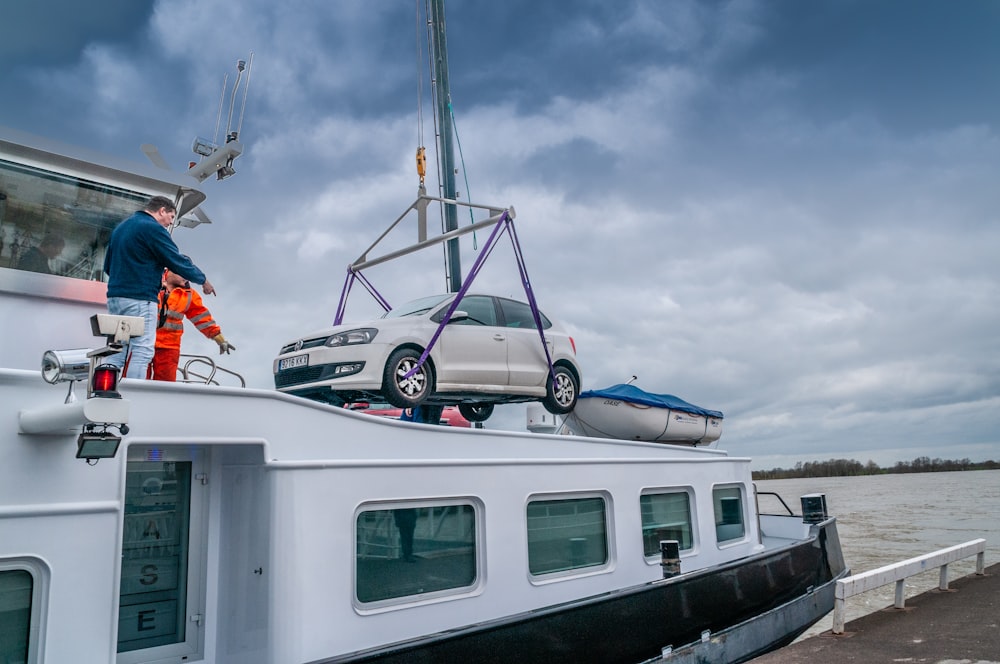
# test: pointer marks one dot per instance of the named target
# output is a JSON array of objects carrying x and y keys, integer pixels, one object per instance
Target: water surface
[{"x": 883, "y": 519}]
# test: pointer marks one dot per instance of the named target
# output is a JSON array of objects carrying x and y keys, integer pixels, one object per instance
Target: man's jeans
[{"x": 139, "y": 350}]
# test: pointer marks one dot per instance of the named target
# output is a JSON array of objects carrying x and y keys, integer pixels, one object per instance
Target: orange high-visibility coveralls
[{"x": 180, "y": 302}]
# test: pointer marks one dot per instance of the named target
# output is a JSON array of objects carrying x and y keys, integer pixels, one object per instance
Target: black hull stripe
[{"x": 635, "y": 624}]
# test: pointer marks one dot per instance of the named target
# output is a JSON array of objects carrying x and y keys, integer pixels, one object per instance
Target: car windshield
[{"x": 416, "y": 307}]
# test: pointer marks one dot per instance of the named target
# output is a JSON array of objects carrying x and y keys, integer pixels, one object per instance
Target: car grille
[
  {"x": 298, "y": 376},
  {"x": 306, "y": 343}
]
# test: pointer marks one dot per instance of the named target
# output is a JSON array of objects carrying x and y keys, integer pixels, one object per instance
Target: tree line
[{"x": 851, "y": 467}]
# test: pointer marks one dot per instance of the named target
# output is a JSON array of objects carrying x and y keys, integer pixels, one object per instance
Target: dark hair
[{"x": 157, "y": 202}]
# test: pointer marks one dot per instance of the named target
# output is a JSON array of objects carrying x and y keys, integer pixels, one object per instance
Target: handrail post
[
  {"x": 839, "y": 611},
  {"x": 943, "y": 579},
  {"x": 900, "y": 598},
  {"x": 981, "y": 563}
]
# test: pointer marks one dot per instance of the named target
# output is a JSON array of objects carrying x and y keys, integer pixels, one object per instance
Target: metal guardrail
[
  {"x": 898, "y": 572},
  {"x": 189, "y": 375}
]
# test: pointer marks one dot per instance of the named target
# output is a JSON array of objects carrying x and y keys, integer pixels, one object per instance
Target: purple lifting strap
[{"x": 505, "y": 223}]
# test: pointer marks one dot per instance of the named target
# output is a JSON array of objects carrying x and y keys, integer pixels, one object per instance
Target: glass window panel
[
  {"x": 55, "y": 223},
  {"x": 480, "y": 309},
  {"x": 15, "y": 614},
  {"x": 154, "y": 554},
  {"x": 728, "y": 503},
  {"x": 518, "y": 314},
  {"x": 414, "y": 551},
  {"x": 566, "y": 534},
  {"x": 665, "y": 516}
]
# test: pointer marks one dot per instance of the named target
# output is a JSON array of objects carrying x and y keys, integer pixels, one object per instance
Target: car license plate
[{"x": 292, "y": 362}]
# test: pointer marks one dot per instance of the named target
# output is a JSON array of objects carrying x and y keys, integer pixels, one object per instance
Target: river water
[{"x": 883, "y": 519}]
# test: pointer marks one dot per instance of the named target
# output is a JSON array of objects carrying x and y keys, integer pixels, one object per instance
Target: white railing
[{"x": 898, "y": 572}]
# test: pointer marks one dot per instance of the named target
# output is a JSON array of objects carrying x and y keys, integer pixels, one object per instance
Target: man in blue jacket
[{"x": 139, "y": 250}]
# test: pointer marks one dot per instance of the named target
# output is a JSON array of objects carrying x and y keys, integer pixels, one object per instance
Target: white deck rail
[{"x": 897, "y": 572}]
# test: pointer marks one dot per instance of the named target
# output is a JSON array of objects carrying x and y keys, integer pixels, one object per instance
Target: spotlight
[
  {"x": 65, "y": 365},
  {"x": 93, "y": 445}
]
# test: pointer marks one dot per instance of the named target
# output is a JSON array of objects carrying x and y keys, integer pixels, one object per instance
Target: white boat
[
  {"x": 626, "y": 412},
  {"x": 176, "y": 522}
]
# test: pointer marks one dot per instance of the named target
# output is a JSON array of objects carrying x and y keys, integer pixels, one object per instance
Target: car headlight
[{"x": 351, "y": 337}]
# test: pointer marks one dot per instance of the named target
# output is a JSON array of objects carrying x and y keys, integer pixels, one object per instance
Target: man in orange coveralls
[{"x": 177, "y": 300}]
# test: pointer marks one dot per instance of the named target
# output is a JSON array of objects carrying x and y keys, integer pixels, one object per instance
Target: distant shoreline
[{"x": 852, "y": 468}]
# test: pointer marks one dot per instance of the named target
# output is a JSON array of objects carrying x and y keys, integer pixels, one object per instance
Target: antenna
[
  {"x": 222, "y": 102},
  {"x": 246, "y": 89},
  {"x": 240, "y": 66}
]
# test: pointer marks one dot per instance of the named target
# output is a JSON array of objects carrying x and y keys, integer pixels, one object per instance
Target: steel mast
[{"x": 446, "y": 150}]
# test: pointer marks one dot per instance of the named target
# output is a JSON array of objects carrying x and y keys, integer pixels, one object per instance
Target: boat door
[{"x": 163, "y": 555}]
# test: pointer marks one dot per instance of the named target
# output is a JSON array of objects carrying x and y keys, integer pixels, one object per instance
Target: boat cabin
[{"x": 246, "y": 526}]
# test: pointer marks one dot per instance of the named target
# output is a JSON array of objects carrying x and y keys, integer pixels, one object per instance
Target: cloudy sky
[{"x": 786, "y": 211}]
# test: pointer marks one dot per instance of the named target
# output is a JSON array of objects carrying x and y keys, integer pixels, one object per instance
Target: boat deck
[{"x": 962, "y": 623}]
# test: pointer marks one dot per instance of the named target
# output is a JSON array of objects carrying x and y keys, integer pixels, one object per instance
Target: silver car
[{"x": 490, "y": 352}]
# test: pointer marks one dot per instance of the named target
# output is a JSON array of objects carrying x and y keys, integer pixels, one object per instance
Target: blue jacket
[{"x": 138, "y": 251}]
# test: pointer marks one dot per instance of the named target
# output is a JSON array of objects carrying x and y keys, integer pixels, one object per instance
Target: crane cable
[{"x": 465, "y": 173}]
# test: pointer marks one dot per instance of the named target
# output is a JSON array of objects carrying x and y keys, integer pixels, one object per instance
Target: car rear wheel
[
  {"x": 476, "y": 412},
  {"x": 402, "y": 391},
  {"x": 561, "y": 394}
]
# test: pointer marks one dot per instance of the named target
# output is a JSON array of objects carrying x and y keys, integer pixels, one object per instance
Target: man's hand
[
  {"x": 224, "y": 346},
  {"x": 208, "y": 288}
]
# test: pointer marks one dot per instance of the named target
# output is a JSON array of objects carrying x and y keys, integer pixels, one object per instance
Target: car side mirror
[{"x": 458, "y": 316}]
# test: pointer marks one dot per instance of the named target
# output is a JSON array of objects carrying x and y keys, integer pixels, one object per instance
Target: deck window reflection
[
  {"x": 566, "y": 534},
  {"x": 665, "y": 516},
  {"x": 58, "y": 224},
  {"x": 15, "y": 615},
  {"x": 728, "y": 503},
  {"x": 414, "y": 551}
]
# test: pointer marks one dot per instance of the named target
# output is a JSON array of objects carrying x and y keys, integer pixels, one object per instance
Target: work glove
[{"x": 224, "y": 346}]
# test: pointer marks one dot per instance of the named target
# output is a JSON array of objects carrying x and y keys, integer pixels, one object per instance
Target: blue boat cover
[{"x": 632, "y": 394}]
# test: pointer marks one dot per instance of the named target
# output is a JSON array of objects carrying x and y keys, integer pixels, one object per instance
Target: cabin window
[
  {"x": 154, "y": 580},
  {"x": 518, "y": 314},
  {"x": 728, "y": 503},
  {"x": 665, "y": 516},
  {"x": 415, "y": 550},
  {"x": 56, "y": 223},
  {"x": 480, "y": 309},
  {"x": 566, "y": 534},
  {"x": 16, "y": 592}
]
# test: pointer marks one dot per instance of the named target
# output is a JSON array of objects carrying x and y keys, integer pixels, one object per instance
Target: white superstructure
[{"x": 249, "y": 526}]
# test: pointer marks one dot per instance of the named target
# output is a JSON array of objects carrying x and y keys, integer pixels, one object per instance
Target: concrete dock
[{"x": 961, "y": 624}]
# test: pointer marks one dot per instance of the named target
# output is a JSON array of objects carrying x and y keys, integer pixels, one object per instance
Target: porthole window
[
  {"x": 665, "y": 516},
  {"x": 728, "y": 503},
  {"x": 23, "y": 585},
  {"x": 566, "y": 534},
  {"x": 414, "y": 550},
  {"x": 16, "y": 588}
]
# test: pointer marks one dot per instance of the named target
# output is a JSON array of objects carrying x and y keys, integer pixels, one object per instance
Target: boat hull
[
  {"x": 749, "y": 607},
  {"x": 615, "y": 418}
]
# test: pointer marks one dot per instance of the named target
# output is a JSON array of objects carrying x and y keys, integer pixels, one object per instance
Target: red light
[
  {"x": 573, "y": 344},
  {"x": 105, "y": 381}
]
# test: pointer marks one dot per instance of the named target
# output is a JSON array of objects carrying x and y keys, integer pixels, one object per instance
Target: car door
[
  {"x": 473, "y": 351},
  {"x": 526, "y": 362}
]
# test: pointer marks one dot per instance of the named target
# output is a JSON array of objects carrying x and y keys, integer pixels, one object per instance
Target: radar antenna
[{"x": 219, "y": 159}]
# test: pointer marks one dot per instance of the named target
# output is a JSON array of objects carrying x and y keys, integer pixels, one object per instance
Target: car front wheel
[
  {"x": 402, "y": 391},
  {"x": 560, "y": 397},
  {"x": 476, "y": 412}
]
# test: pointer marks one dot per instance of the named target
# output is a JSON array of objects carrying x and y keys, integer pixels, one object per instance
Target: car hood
[{"x": 380, "y": 324}]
